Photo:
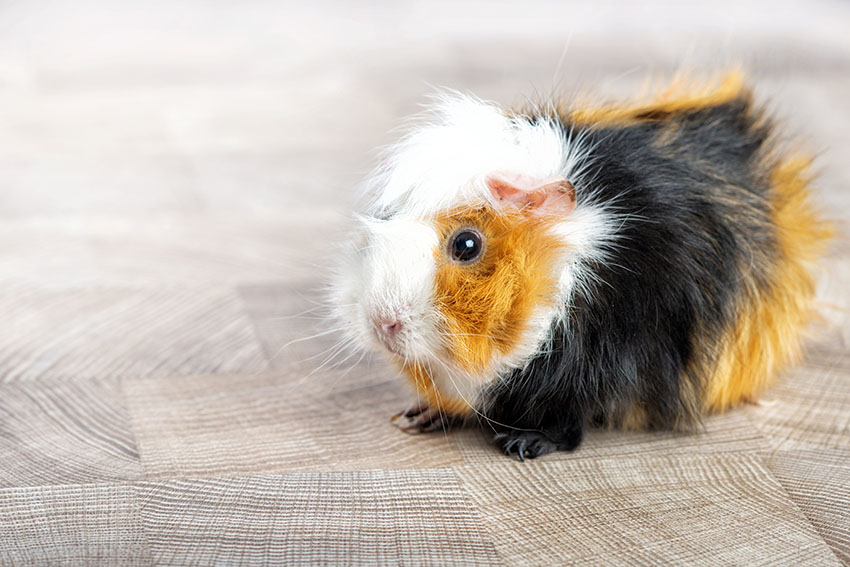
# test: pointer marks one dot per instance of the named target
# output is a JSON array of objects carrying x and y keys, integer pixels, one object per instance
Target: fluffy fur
[
  {"x": 443, "y": 162},
  {"x": 679, "y": 284}
]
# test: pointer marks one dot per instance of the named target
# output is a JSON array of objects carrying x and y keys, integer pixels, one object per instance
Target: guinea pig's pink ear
[{"x": 550, "y": 195}]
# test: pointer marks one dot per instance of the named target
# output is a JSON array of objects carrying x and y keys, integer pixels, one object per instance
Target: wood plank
[
  {"x": 237, "y": 425},
  {"x": 89, "y": 525},
  {"x": 102, "y": 332},
  {"x": 65, "y": 432},
  {"x": 711, "y": 509},
  {"x": 417, "y": 517}
]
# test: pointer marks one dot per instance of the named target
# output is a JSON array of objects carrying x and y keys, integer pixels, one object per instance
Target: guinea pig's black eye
[{"x": 466, "y": 246}]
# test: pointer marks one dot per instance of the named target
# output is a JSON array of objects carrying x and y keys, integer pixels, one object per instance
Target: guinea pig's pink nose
[
  {"x": 387, "y": 326},
  {"x": 391, "y": 327}
]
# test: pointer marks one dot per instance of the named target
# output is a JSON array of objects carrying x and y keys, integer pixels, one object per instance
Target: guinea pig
[{"x": 560, "y": 266}]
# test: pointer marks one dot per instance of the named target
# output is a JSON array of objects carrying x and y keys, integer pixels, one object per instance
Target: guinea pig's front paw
[
  {"x": 421, "y": 418},
  {"x": 529, "y": 444},
  {"x": 524, "y": 444}
]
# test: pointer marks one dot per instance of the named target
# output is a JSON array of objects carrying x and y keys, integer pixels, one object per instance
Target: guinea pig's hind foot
[
  {"x": 420, "y": 418},
  {"x": 531, "y": 444}
]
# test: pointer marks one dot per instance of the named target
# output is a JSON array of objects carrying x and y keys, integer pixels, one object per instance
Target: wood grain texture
[
  {"x": 294, "y": 323},
  {"x": 230, "y": 425},
  {"x": 65, "y": 433},
  {"x": 94, "y": 524},
  {"x": 370, "y": 518},
  {"x": 653, "y": 510},
  {"x": 806, "y": 423},
  {"x": 113, "y": 332}
]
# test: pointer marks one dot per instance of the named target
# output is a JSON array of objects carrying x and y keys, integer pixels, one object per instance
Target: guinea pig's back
[
  {"x": 724, "y": 236},
  {"x": 703, "y": 298}
]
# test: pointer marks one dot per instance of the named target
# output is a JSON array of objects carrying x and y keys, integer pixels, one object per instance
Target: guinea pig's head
[
  {"x": 470, "y": 244},
  {"x": 471, "y": 289}
]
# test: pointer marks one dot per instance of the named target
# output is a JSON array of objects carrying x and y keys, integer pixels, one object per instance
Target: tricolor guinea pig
[{"x": 547, "y": 269}]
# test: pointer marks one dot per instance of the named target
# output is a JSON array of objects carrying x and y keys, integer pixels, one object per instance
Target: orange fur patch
[
  {"x": 681, "y": 95},
  {"x": 766, "y": 336},
  {"x": 486, "y": 305}
]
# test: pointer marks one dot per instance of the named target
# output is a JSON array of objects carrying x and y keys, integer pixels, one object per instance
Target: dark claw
[
  {"x": 523, "y": 445},
  {"x": 420, "y": 418},
  {"x": 536, "y": 450},
  {"x": 414, "y": 410},
  {"x": 433, "y": 424}
]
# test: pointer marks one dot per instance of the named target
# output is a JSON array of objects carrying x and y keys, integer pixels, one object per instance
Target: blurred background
[
  {"x": 207, "y": 145},
  {"x": 268, "y": 108},
  {"x": 173, "y": 176}
]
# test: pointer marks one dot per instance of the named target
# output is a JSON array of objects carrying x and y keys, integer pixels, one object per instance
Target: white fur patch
[
  {"x": 444, "y": 161},
  {"x": 391, "y": 275}
]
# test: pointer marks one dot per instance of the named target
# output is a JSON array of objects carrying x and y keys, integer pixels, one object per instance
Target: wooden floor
[{"x": 172, "y": 179}]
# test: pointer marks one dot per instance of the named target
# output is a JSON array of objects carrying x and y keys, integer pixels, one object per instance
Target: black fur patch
[{"x": 695, "y": 186}]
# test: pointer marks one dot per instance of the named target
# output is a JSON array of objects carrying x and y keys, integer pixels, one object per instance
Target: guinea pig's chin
[
  {"x": 392, "y": 349},
  {"x": 399, "y": 352},
  {"x": 404, "y": 350}
]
